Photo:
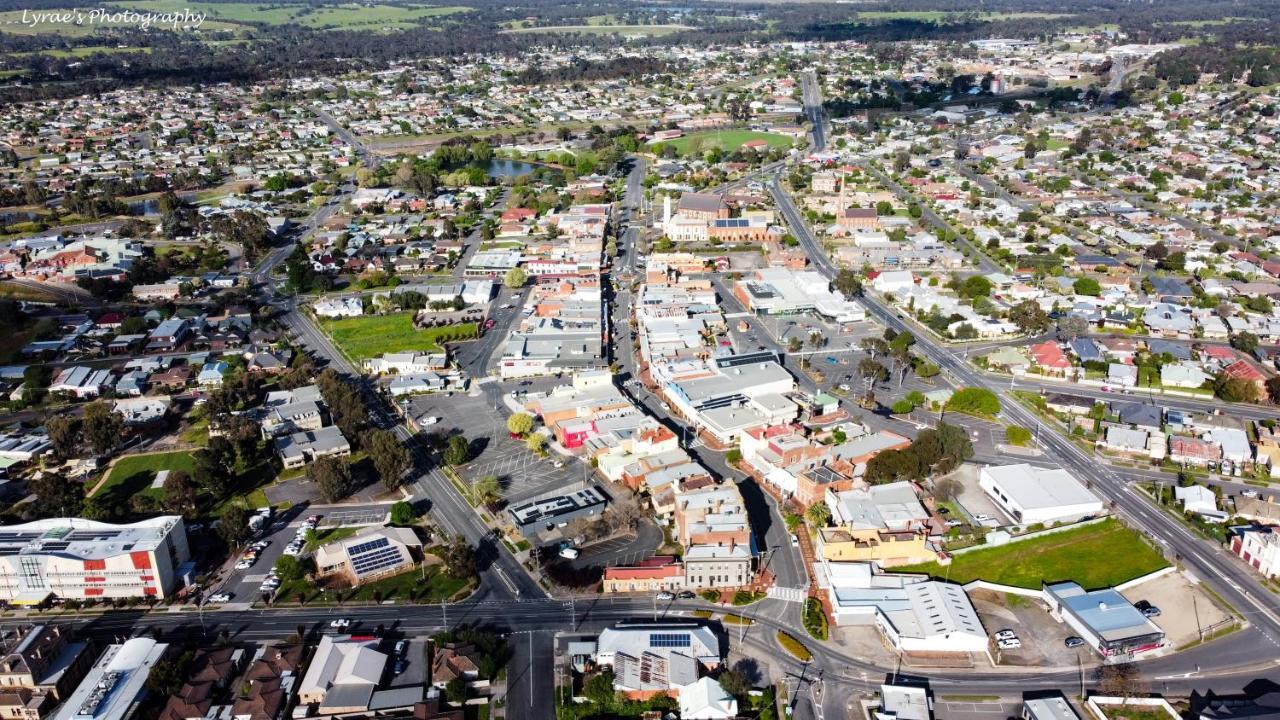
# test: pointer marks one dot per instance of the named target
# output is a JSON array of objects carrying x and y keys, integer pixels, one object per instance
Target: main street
[
  {"x": 843, "y": 674},
  {"x": 1236, "y": 584}
]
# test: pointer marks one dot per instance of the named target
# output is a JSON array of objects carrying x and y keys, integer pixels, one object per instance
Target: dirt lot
[
  {"x": 1043, "y": 638},
  {"x": 1185, "y": 609},
  {"x": 863, "y": 641}
]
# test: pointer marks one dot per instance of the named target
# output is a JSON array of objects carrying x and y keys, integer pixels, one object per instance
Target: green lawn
[
  {"x": 331, "y": 535},
  {"x": 369, "y": 336},
  {"x": 727, "y": 140},
  {"x": 406, "y": 587},
  {"x": 132, "y": 474},
  {"x": 1096, "y": 556}
]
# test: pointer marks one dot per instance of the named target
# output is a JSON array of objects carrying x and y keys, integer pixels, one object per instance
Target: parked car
[
  {"x": 1074, "y": 641},
  {"x": 430, "y": 420},
  {"x": 1010, "y": 644},
  {"x": 686, "y": 595},
  {"x": 664, "y": 595},
  {"x": 221, "y": 597},
  {"x": 1006, "y": 634},
  {"x": 340, "y": 623},
  {"x": 401, "y": 647},
  {"x": 1151, "y": 611},
  {"x": 569, "y": 553}
]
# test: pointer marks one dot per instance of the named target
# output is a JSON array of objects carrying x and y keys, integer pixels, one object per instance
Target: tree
[
  {"x": 520, "y": 424},
  {"x": 975, "y": 286},
  {"x": 1087, "y": 286},
  {"x": 57, "y": 496},
  {"x": 818, "y": 514},
  {"x": 390, "y": 456},
  {"x": 1029, "y": 317},
  {"x": 599, "y": 689},
  {"x": 734, "y": 683},
  {"x": 1273, "y": 388},
  {"x": 1122, "y": 680},
  {"x": 1245, "y": 342},
  {"x": 180, "y": 494},
  {"x": 1234, "y": 389},
  {"x": 233, "y": 525},
  {"x": 456, "y": 691},
  {"x": 1071, "y": 327},
  {"x": 794, "y": 344},
  {"x": 332, "y": 477},
  {"x": 102, "y": 427},
  {"x": 487, "y": 490},
  {"x": 402, "y": 513},
  {"x": 289, "y": 568},
  {"x": 459, "y": 559},
  {"x": 974, "y": 401},
  {"x": 847, "y": 282},
  {"x": 64, "y": 435},
  {"x": 536, "y": 443},
  {"x": 515, "y": 278},
  {"x": 947, "y": 489},
  {"x": 457, "y": 451},
  {"x": 869, "y": 368},
  {"x": 167, "y": 678},
  {"x": 733, "y": 457}
]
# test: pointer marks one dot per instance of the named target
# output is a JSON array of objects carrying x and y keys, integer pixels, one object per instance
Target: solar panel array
[
  {"x": 670, "y": 640},
  {"x": 372, "y": 556}
]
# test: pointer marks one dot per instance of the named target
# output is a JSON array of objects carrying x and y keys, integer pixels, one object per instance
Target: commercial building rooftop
[{"x": 85, "y": 539}]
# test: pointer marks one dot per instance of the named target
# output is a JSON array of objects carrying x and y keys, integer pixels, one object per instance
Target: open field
[
  {"x": 336, "y": 16},
  {"x": 624, "y": 30},
  {"x": 727, "y": 140},
  {"x": 16, "y": 23},
  {"x": 132, "y": 474},
  {"x": 369, "y": 336},
  {"x": 1096, "y": 556},
  {"x": 85, "y": 51}
]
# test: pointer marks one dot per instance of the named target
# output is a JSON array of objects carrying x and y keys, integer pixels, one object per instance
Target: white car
[
  {"x": 1006, "y": 635},
  {"x": 569, "y": 553},
  {"x": 220, "y": 598},
  {"x": 340, "y": 624},
  {"x": 244, "y": 565},
  {"x": 1013, "y": 644},
  {"x": 429, "y": 421}
]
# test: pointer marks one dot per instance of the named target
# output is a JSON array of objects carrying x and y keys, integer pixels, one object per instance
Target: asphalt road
[{"x": 1240, "y": 588}]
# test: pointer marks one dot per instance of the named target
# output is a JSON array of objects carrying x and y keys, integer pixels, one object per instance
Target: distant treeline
[{"x": 278, "y": 51}]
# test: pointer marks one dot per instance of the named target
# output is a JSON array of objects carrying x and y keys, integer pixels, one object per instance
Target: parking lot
[
  {"x": 483, "y": 421},
  {"x": 1043, "y": 638},
  {"x": 973, "y": 501},
  {"x": 1185, "y": 609},
  {"x": 244, "y": 585}
]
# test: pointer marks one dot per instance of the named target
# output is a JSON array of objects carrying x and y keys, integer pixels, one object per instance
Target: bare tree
[{"x": 1122, "y": 680}]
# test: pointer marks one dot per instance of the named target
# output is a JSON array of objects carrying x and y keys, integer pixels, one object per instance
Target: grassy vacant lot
[
  {"x": 369, "y": 336},
  {"x": 1096, "y": 556},
  {"x": 132, "y": 474},
  {"x": 727, "y": 140}
]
